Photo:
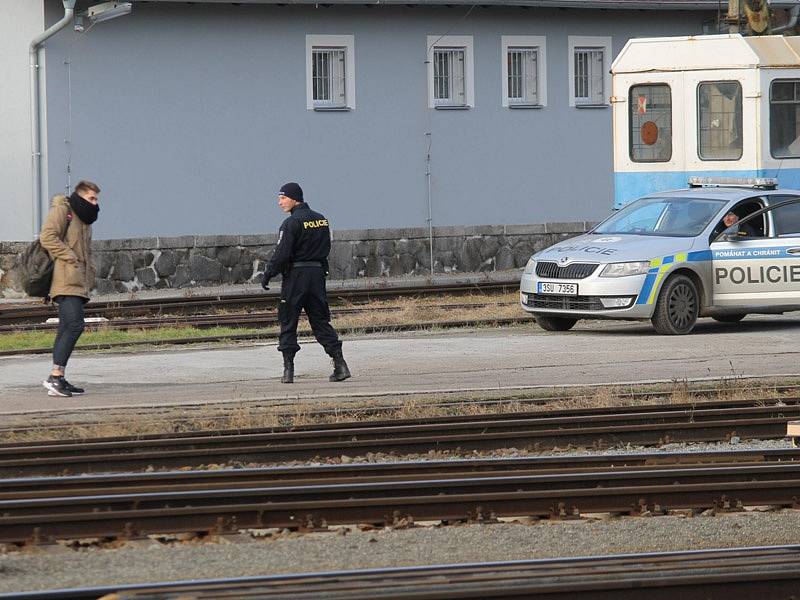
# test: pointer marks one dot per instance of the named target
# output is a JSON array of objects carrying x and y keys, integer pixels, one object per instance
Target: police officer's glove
[{"x": 265, "y": 283}]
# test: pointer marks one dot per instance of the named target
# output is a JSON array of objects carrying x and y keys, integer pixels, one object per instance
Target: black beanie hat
[{"x": 293, "y": 191}]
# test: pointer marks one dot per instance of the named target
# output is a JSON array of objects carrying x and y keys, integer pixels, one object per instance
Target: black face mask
[{"x": 86, "y": 211}]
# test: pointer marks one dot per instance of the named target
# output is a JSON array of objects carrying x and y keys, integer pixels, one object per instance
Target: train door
[
  {"x": 756, "y": 261},
  {"x": 648, "y": 135}
]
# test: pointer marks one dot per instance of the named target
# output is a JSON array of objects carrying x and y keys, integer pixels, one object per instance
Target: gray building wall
[
  {"x": 22, "y": 20},
  {"x": 190, "y": 116}
]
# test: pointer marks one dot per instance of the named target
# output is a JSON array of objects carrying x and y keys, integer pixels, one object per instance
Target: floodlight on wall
[{"x": 102, "y": 12}]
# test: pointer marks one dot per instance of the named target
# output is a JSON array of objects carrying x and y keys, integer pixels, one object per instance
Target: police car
[{"x": 671, "y": 258}]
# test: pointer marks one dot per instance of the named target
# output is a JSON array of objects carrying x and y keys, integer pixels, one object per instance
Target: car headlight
[
  {"x": 529, "y": 268},
  {"x": 625, "y": 269}
]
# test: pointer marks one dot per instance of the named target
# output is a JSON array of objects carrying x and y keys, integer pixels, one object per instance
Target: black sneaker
[
  {"x": 72, "y": 389},
  {"x": 57, "y": 386}
]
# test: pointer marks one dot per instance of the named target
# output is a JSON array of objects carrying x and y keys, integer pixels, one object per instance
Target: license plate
[{"x": 566, "y": 289}]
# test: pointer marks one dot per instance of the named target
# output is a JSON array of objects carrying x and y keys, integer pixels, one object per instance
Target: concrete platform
[{"x": 486, "y": 359}]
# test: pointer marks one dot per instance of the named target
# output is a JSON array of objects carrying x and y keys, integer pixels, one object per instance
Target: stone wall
[{"x": 179, "y": 262}]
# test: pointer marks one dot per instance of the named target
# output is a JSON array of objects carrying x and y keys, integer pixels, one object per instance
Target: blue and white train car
[{"x": 705, "y": 106}]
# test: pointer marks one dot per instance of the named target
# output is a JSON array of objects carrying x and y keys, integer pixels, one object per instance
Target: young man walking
[
  {"x": 301, "y": 256},
  {"x": 67, "y": 237}
]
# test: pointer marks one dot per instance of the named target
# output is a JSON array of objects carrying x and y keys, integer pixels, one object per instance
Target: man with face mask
[{"x": 67, "y": 237}]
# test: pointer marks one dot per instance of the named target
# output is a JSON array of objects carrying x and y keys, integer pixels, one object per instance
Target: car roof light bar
[{"x": 766, "y": 183}]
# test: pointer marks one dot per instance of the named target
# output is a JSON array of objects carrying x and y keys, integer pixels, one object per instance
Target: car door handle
[{"x": 793, "y": 251}]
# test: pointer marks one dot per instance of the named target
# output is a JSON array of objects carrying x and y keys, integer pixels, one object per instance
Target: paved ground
[{"x": 483, "y": 359}]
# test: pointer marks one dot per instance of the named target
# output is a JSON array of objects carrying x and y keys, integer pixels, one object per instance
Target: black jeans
[
  {"x": 304, "y": 288},
  {"x": 70, "y": 327}
]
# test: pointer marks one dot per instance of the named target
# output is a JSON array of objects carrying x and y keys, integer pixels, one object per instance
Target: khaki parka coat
[{"x": 73, "y": 268}]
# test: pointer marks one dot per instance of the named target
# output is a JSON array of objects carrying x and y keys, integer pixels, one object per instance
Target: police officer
[{"x": 301, "y": 256}]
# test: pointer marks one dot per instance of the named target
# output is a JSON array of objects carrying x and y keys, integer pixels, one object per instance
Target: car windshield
[{"x": 670, "y": 217}]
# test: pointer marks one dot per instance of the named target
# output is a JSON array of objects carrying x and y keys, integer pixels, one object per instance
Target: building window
[
  {"x": 330, "y": 77},
  {"x": 650, "y": 120},
  {"x": 450, "y": 72},
  {"x": 784, "y": 119},
  {"x": 590, "y": 80},
  {"x": 524, "y": 66},
  {"x": 719, "y": 116},
  {"x": 448, "y": 77}
]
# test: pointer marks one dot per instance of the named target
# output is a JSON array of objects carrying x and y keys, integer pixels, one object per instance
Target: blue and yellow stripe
[{"x": 659, "y": 266}]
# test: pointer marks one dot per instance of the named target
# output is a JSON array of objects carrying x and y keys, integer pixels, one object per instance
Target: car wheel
[
  {"x": 678, "y": 306},
  {"x": 549, "y": 323},
  {"x": 729, "y": 318}
]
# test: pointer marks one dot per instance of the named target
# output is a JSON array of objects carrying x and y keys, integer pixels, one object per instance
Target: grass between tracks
[
  {"x": 409, "y": 311},
  {"x": 121, "y": 422}
]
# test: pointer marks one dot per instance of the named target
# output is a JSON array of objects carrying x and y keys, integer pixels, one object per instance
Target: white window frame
[
  {"x": 344, "y": 42},
  {"x": 534, "y": 42},
  {"x": 576, "y": 42},
  {"x": 451, "y": 42}
]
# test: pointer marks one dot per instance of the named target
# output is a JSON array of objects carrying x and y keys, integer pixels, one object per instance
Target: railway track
[
  {"x": 204, "y": 304},
  {"x": 242, "y": 319},
  {"x": 401, "y": 499},
  {"x": 733, "y": 574},
  {"x": 532, "y": 431},
  {"x": 120, "y": 417},
  {"x": 491, "y": 322},
  {"x": 106, "y": 484}
]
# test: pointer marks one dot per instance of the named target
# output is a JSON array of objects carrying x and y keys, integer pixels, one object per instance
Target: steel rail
[
  {"x": 46, "y": 421},
  {"x": 479, "y": 498},
  {"x": 459, "y": 434},
  {"x": 18, "y": 315},
  {"x": 733, "y": 574},
  {"x": 244, "y": 319},
  {"x": 702, "y": 410},
  {"x": 106, "y": 484},
  {"x": 481, "y": 322}
]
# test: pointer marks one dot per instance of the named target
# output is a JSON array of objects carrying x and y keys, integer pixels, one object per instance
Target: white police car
[{"x": 670, "y": 258}]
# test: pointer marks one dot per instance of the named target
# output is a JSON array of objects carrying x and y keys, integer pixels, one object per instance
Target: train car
[{"x": 705, "y": 106}]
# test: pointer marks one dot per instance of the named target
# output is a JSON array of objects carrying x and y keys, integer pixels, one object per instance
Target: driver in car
[{"x": 746, "y": 229}]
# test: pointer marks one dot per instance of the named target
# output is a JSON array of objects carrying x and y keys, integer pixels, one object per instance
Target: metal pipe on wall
[
  {"x": 429, "y": 135},
  {"x": 36, "y": 110}
]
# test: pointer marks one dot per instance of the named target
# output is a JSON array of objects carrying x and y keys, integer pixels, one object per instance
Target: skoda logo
[{"x": 564, "y": 260}]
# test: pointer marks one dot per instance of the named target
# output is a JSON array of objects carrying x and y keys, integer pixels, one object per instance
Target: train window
[
  {"x": 719, "y": 115},
  {"x": 650, "y": 121},
  {"x": 784, "y": 119}
]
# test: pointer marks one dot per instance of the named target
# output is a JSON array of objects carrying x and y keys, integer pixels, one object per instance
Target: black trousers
[
  {"x": 303, "y": 288},
  {"x": 70, "y": 327}
]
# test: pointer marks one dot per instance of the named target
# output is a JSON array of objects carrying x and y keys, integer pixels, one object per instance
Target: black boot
[
  {"x": 340, "y": 370},
  {"x": 288, "y": 368}
]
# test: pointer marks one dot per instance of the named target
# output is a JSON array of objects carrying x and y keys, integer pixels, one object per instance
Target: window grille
[
  {"x": 719, "y": 114},
  {"x": 523, "y": 76},
  {"x": 449, "y": 85},
  {"x": 650, "y": 120},
  {"x": 784, "y": 119},
  {"x": 329, "y": 83},
  {"x": 589, "y": 76}
]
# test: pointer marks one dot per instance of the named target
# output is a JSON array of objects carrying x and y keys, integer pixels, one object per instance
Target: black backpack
[{"x": 36, "y": 268}]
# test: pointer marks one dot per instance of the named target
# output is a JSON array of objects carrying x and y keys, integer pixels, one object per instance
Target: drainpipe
[
  {"x": 36, "y": 110},
  {"x": 794, "y": 14}
]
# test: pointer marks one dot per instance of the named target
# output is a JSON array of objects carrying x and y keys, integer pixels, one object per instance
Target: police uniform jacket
[{"x": 304, "y": 236}]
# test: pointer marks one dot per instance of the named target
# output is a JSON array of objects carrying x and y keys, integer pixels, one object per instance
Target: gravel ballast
[{"x": 151, "y": 561}]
